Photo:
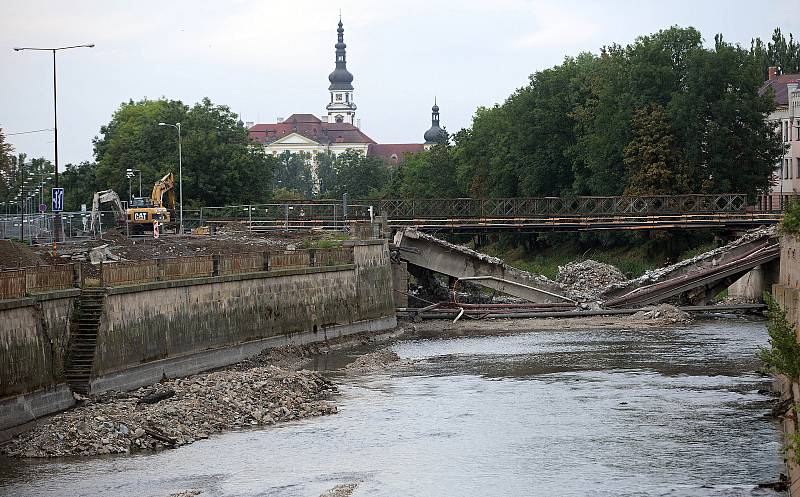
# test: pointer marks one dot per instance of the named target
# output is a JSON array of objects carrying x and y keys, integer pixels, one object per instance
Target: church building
[{"x": 338, "y": 130}]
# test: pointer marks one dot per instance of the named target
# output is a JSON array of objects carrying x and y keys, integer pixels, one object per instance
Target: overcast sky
[{"x": 270, "y": 59}]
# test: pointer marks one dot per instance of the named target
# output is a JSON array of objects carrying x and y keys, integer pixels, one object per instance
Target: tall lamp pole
[
  {"x": 180, "y": 171},
  {"x": 57, "y": 226}
]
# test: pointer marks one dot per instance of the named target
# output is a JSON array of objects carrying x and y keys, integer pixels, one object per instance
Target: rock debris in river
[
  {"x": 344, "y": 490},
  {"x": 663, "y": 312},
  {"x": 374, "y": 360},
  {"x": 588, "y": 277},
  {"x": 203, "y": 404}
]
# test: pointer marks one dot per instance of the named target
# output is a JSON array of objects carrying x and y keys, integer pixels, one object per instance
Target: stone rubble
[
  {"x": 374, "y": 360},
  {"x": 202, "y": 405},
  {"x": 589, "y": 278},
  {"x": 343, "y": 490},
  {"x": 665, "y": 313}
]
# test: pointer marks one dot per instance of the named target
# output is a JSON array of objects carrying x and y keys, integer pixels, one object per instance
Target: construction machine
[
  {"x": 143, "y": 211},
  {"x": 107, "y": 197}
]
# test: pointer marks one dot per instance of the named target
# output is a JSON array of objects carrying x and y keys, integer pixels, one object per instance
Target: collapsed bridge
[{"x": 693, "y": 281}]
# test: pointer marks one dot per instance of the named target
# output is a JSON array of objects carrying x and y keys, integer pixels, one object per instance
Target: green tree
[
  {"x": 351, "y": 173},
  {"x": 220, "y": 164},
  {"x": 654, "y": 164},
  {"x": 6, "y": 171},
  {"x": 427, "y": 174},
  {"x": 293, "y": 172},
  {"x": 80, "y": 184}
]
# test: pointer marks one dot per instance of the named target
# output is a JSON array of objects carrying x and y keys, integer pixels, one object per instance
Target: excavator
[{"x": 142, "y": 211}]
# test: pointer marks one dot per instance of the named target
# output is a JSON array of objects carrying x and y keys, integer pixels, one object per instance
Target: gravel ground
[{"x": 193, "y": 408}]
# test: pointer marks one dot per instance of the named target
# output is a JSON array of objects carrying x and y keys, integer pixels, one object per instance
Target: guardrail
[{"x": 17, "y": 283}]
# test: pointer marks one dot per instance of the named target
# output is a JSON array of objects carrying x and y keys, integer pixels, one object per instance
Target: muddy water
[{"x": 546, "y": 413}]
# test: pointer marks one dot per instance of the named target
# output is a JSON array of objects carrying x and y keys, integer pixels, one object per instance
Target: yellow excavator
[{"x": 143, "y": 211}]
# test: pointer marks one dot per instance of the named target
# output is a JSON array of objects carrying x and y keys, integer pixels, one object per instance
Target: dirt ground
[{"x": 14, "y": 254}]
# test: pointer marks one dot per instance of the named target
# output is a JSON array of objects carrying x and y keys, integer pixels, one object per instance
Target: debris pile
[
  {"x": 374, "y": 360},
  {"x": 178, "y": 412},
  {"x": 665, "y": 313},
  {"x": 589, "y": 277},
  {"x": 344, "y": 490}
]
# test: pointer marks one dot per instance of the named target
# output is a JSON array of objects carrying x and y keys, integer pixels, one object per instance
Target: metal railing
[
  {"x": 289, "y": 216},
  {"x": 544, "y": 207}
]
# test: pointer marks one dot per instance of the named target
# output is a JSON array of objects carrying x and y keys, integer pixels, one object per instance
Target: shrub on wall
[{"x": 783, "y": 354}]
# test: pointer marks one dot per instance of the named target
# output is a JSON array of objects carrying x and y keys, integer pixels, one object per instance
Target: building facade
[
  {"x": 786, "y": 118},
  {"x": 338, "y": 130}
]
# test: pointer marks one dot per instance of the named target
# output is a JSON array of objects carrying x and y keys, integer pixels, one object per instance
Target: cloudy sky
[{"x": 267, "y": 59}]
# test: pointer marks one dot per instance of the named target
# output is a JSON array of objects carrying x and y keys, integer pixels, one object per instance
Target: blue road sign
[{"x": 58, "y": 199}]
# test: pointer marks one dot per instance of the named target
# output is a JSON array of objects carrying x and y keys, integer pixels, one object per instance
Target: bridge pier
[{"x": 760, "y": 279}]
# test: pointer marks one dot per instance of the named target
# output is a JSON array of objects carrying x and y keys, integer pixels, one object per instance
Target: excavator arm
[
  {"x": 162, "y": 186},
  {"x": 103, "y": 197}
]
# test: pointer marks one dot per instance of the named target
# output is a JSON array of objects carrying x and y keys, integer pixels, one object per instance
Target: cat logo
[{"x": 140, "y": 216}]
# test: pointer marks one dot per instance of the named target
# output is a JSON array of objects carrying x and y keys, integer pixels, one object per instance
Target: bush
[
  {"x": 791, "y": 219},
  {"x": 783, "y": 354}
]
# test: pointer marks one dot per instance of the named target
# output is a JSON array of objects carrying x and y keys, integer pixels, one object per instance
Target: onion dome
[{"x": 435, "y": 134}]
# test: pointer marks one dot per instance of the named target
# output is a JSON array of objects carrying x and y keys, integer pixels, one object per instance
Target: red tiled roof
[
  {"x": 778, "y": 85},
  {"x": 394, "y": 152},
  {"x": 311, "y": 127}
]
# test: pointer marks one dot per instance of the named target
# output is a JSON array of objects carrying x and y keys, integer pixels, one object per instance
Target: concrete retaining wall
[
  {"x": 181, "y": 327},
  {"x": 34, "y": 335},
  {"x": 787, "y": 293}
]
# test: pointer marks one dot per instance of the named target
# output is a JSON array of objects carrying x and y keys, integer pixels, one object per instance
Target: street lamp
[
  {"x": 57, "y": 224},
  {"x": 180, "y": 171},
  {"x": 129, "y": 173}
]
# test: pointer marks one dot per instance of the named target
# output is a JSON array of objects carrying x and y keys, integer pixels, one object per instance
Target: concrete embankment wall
[
  {"x": 180, "y": 327},
  {"x": 787, "y": 293}
]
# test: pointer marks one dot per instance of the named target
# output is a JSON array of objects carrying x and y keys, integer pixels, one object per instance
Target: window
[
  {"x": 338, "y": 97},
  {"x": 346, "y": 97},
  {"x": 797, "y": 130},
  {"x": 785, "y": 128},
  {"x": 785, "y": 168}
]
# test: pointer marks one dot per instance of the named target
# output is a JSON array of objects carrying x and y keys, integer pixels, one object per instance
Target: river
[{"x": 659, "y": 412}]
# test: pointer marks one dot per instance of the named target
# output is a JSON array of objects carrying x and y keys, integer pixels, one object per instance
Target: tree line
[{"x": 663, "y": 115}]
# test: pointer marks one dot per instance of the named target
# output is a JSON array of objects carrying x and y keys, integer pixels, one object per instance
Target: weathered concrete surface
[
  {"x": 787, "y": 293},
  {"x": 20, "y": 409},
  {"x": 400, "y": 283},
  {"x": 460, "y": 262},
  {"x": 34, "y": 334},
  {"x": 752, "y": 285},
  {"x": 176, "y": 367}
]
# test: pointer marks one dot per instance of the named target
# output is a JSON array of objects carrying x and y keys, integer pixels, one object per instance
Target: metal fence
[
  {"x": 541, "y": 207},
  {"x": 287, "y": 216}
]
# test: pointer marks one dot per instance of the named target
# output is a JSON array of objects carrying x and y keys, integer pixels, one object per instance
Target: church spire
[{"x": 340, "y": 78}]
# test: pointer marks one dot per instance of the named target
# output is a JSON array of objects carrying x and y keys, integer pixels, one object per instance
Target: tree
[
  {"x": 655, "y": 165},
  {"x": 6, "y": 172},
  {"x": 351, "y": 173},
  {"x": 293, "y": 172},
  {"x": 220, "y": 164},
  {"x": 80, "y": 184},
  {"x": 427, "y": 174}
]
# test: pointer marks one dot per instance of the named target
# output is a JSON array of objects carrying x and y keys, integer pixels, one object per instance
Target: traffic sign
[
  {"x": 58, "y": 199},
  {"x": 42, "y": 207}
]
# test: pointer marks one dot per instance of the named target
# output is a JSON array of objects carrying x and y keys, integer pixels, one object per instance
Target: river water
[{"x": 669, "y": 412}]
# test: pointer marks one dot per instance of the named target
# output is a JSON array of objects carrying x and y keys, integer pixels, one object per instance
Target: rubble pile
[
  {"x": 344, "y": 490},
  {"x": 588, "y": 278},
  {"x": 374, "y": 360},
  {"x": 706, "y": 259},
  {"x": 182, "y": 411},
  {"x": 665, "y": 313}
]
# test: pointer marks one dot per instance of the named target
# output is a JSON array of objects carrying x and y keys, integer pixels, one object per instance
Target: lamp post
[
  {"x": 129, "y": 173},
  {"x": 57, "y": 224},
  {"x": 180, "y": 171}
]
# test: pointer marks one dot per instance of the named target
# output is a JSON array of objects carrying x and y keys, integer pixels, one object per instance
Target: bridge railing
[{"x": 539, "y": 207}]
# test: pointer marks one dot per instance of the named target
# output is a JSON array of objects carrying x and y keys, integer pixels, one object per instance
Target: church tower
[{"x": 341, "y": 108}]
